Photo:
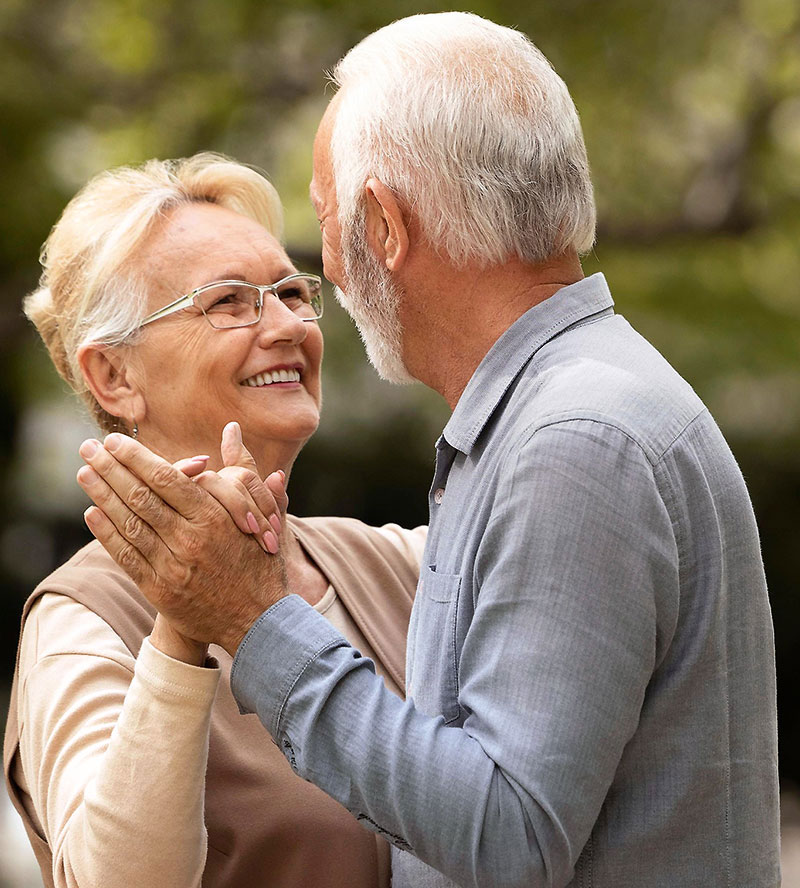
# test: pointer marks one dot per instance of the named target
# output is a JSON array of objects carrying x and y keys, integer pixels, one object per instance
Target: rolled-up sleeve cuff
[{"x": 273, "y": 655}]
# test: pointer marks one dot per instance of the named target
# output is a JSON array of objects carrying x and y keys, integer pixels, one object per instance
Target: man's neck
[{"x": 453, "y": 319}]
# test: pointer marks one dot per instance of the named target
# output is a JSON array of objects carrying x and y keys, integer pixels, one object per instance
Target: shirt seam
[
  {"x": 565, "y": 323},
  {"x": 653, "y": 456},
  {"x": 55, "y": 654}
]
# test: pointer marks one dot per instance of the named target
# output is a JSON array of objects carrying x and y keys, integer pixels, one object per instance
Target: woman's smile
[{"x": 265, "y": 375}]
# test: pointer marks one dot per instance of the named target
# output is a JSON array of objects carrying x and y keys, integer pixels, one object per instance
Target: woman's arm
[{"x": 114, "y": 752}]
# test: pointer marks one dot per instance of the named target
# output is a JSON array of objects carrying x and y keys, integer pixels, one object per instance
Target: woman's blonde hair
[{"x": 86, "y": 293}]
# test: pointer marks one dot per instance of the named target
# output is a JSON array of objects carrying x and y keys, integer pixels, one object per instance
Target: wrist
[
  {"x": 236, "y": 633},
  {"x": 172, "y": 643}
]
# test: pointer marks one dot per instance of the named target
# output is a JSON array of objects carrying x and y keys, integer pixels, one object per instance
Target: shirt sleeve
[
  {"x": 114, "y": 752},
  {"x": 571, "y": 574}
]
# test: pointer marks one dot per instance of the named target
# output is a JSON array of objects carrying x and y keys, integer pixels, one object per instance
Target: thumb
[{"x": 233, "y": 451}]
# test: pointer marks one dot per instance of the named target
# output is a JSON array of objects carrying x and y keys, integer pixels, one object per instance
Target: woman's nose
[{"x": 279, "y": 323}]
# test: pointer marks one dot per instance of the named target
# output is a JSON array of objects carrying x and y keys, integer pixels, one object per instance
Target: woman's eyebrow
[{"x": 235, "y": 274}]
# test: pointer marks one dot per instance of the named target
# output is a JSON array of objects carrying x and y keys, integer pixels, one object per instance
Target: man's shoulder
[{"x": 604, "y": 372}]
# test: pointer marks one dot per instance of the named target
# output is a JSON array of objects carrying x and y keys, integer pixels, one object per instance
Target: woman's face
[{"x": 193, "y": 376}]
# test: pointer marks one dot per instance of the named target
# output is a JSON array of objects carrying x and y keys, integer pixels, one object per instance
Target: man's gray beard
[{"x": 372, "y": 302}]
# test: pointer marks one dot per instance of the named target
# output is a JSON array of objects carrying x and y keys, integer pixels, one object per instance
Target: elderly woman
[{"x": 169, "y": 305}]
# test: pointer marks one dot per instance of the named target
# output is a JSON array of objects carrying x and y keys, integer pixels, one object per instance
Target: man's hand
[{"x": 178, "y": 543}]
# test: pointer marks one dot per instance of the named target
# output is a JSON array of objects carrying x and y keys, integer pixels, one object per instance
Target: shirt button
[{"x": 438, "y": 496}]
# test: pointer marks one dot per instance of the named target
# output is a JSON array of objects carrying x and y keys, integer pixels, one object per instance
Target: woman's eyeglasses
[{"x": 227, "y": 304}]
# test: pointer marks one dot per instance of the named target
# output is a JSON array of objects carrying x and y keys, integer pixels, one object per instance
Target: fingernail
[
  {"x": 88, "y": 448},
  {"x": 87, "y": 476},
  {"x": 235, "y": 430},
  {"x": 113, "y": 441},
  {"x": 253, "y": 524},
  {"x": 91, "y": 516},
  {"x": 282, "y": 474},
  {"x": 275, "y": 521},
  {"x": 271, "y": 542},
  {"x": 200, "y": 459}
]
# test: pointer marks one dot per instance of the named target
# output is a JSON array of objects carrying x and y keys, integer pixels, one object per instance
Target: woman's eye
[
  {"x": 292, "y": 296},
  {"x": 221, "y": 299}
]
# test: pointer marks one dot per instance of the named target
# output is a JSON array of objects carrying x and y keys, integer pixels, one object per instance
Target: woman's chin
[{"x": 258, "y": 435}]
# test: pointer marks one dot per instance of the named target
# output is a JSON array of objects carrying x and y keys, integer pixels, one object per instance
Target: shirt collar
[{"x": 512, "y": 351}]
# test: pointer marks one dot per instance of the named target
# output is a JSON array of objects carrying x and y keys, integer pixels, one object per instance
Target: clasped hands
[{"x": 201, "y": 546}]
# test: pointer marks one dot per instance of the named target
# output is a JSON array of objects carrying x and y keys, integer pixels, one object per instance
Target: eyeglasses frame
[{"x": 187, "y": 300}]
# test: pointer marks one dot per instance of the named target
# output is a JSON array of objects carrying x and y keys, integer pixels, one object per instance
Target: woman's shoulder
[
  {"x": 59, "y": 625},
  {"x": 93, "y": 580},
  {"x": 388, "y": 540},
  {"x": 92, "y": 559}
]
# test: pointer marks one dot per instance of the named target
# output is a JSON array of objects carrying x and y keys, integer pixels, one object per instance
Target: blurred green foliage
[{"x": 692, "y": 119}]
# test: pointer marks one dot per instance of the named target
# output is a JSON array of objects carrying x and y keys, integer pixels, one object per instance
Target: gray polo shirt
[{"x": 590, "y": 657}]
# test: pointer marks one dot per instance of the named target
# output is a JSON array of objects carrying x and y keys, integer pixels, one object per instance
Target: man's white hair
[{"x": 475, "y": 133}]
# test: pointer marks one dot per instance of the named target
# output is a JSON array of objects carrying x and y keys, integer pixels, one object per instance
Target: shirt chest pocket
[{"x": 435, "y": 657}]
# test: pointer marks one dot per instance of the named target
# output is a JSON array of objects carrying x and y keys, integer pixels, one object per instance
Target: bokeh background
[{"x": 692, "y": 119}]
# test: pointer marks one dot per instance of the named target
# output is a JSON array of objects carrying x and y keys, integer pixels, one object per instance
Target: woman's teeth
[{"x": 273, "y": 376}]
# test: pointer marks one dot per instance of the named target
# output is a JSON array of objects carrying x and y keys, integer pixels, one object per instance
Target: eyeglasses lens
[
  {"x": 303, "y": 295},
  {"x": 237, "y": 304},
  {"x": 229, "y": 305}
]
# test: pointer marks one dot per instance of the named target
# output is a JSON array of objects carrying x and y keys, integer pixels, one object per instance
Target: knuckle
[
  {"x": 192, "y": 547},
  {"x": 234, "y": 473},
  {"x": 163, "y": 475},
  {"x": 141, "y": 498},
  {"x": 251, "y": 480},
  {"x": 128, "y": 560},
  {"x": 134, "y": 529},
  {"x": 241, "y": 488}
]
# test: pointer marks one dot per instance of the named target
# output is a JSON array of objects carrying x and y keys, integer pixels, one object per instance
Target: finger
[
  {"x": 276, "y": 482},
  {"x": 263, "y": 518},
  {"x": 133, "y": 493},
  {"x": 234, "y": 497},
  {"x": 127, "y": 556},
  {"x": 233, "y": 451},
  {"x": 128, "y": 524},
  {"x": 147, "y": 483},
  {"x": 193, "y": 466}
]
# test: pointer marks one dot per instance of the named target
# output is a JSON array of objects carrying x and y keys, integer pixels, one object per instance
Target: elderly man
[{"x": 591, "y": 689}]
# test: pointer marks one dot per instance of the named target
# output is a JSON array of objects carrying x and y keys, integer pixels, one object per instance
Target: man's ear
[
  {"x": 112, "y": 382},
  {"x": 387, "y": 231}
]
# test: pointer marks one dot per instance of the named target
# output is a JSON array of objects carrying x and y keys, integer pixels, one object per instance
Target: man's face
[
  {"x": 364, "y": 286},
  {"x": 323, "y": 197}
]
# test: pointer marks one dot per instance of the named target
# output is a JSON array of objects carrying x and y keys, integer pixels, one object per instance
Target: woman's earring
[{"x": 135, "y": 430}]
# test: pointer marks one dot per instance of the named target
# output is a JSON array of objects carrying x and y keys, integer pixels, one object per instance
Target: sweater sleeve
[{"x": 113, "y": 751}]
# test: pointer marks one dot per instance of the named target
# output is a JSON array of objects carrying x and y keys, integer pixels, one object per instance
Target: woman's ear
[
  {"x": 112, "y": 381},
  {"x": 387, "y": 231}
]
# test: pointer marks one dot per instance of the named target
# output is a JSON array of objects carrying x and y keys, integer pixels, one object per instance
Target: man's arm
[
  {"x": 573, "y": 571},
  {"x": 552, "y": 674}
]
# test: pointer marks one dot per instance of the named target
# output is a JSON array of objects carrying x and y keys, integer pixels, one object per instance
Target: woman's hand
[{"x": 238, "y": 488}]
